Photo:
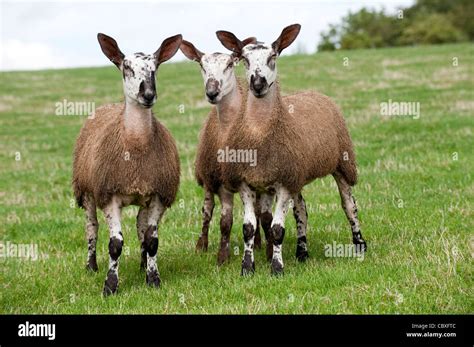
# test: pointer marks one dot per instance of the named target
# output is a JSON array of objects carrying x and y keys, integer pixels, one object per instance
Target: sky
[{"x": 61, "y": 34}]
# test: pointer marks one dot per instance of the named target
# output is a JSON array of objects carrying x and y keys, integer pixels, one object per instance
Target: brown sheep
[
  {"x": 125, "y": 156},
  {"x": 228, "y": 94},
  {"x": 298, "y": 138}
]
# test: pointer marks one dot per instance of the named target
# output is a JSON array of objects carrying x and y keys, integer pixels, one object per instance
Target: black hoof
[
  {"x": 301, "y": 254},
  {"x": 248, "y": 266},
  {"x": 92, "y": 265},
  {"x": 360, "y": 245},
  {"x": 111, "y": 284},
  {"x": 153, "y": 279},
  {"x": 277, "y": 268}
]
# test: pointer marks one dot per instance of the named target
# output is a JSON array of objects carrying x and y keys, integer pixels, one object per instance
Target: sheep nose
[
  {"x": 149, "y": 95},
  {"x": 212, "y": 88},
  {"x": 212, "y": 94},
  {"x": 258, "y": 83}
]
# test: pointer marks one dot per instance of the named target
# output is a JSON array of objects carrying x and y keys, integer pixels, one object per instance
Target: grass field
[{"x": 415, "y": 196}]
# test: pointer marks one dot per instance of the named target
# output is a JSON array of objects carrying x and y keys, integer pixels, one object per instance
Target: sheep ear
[
  {"x": 287, "y": 36},
  {"x": 230, "y": 41},
  {"x": 110, "y": 48},
  {"x": 168, "y": 48},
  {"x": 249, "y": 41},
  {"x": 191, "y": 52}
]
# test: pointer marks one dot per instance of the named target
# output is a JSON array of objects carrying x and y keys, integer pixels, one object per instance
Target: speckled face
[
  {"x": 218, "y": 73},
  {"x": 260, "y": 64},
  {"x": 139, "y": 78}
]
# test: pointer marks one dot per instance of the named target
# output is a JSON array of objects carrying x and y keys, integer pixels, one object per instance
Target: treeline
[{"x": 426, "y": 22}]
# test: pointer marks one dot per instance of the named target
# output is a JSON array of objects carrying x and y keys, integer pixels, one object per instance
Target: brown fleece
[
  {"x": 292, "y": 148},
  {"x": 101, "y": 169},
  {"x": 211, "y": 139}
]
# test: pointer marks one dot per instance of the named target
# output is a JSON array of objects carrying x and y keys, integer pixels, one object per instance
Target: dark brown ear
[
  {"x": 249, "y": 41},
  {"x": 110, "y": 48},
  {"x": 230, "y": 41},
  {"x": 167, "y": 49},
  {"x": 287, "y": 36},
  {"x": 191, "y": 52}
]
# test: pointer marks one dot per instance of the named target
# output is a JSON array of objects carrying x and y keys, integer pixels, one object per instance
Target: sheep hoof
[
  {"x": 248, "y": 266},
  {"x": 92, "y": 265},
  {"x": 277, "y": 267},
  {"x": 153, "y": 279},
  {"x": 202, "y": 243},
  {"x": 111, "y": 283},
  {"x": 360, "y": 245},
  {"x": 301, "y": 255},
  {"x": 223, "y": 255}
]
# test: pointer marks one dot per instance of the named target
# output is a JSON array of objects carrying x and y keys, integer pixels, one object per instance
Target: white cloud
[{"x": 19, "y": 55}]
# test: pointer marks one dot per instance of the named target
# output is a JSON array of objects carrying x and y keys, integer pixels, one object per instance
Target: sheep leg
[
  {"x": 301, "y": 218},
  {"x": 142, "y": 224},
  {"x": 258, "y": 239},
  {"x": 227, "y": 206},
  {"x": 155, "y": 212},
  {"x": 266, "y": 202},
  {"x": 92, "y": 228},
  {"x": 350, "y": 208},
  {"x": 278, "y": 228},
  {"x": 250, "y": 223},
  {"x": 112, "y": 215},
  {"x": 207, "y": 209}
]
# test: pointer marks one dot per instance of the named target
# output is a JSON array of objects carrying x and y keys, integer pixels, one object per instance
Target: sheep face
[
  {"x": 217, "y": 71},
  {"x": 259, "y": 58},
  {"x": 138, "y": 72},
  {"x": 139, "y": 69},
  {"x": 260, "y": 64}
]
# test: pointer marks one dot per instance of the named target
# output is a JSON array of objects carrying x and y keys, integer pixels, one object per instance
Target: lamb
[
  {"x": 298, "y": 138},
  {"x": 125, "y": 156},
  {"x": 226, "y": 92}
]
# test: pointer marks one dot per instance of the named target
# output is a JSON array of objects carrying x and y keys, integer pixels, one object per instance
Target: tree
[{"x": 426, "y": 22}]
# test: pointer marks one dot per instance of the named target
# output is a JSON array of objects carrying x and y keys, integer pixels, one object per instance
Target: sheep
[
  {"x": 298, "y": 138},
  {"x": 125, "y": 156},
  {"x": 227, "y": 93}
]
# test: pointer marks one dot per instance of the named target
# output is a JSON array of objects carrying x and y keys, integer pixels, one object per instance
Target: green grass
[{"x": 415, "y": 201}]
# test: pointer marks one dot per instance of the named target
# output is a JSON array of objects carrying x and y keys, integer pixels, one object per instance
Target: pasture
[{"x": 415, "y": 196}]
